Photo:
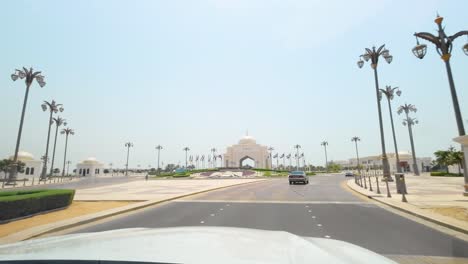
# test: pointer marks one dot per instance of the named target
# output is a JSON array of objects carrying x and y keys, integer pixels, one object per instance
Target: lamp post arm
[
  {"x": 429, "y": 37},
  {"x": 458, "y": 34}
]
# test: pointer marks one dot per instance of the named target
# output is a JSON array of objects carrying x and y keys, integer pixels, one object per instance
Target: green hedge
[
  {"x": 309, "y": 173},
  {"x": 445, "y": 174},
  {"x": 15, "y": 204}
]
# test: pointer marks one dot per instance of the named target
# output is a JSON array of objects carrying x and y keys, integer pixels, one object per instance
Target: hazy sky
[{"x": 200, "y": 73}]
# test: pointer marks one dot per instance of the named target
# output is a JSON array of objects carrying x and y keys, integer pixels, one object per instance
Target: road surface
[{"x": 324, "y": 208}]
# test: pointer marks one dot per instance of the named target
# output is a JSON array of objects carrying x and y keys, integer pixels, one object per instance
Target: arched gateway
[{"x": 247, "y": 149}]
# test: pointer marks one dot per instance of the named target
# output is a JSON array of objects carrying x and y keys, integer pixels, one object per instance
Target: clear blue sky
[{"x": 200, "y": 73}]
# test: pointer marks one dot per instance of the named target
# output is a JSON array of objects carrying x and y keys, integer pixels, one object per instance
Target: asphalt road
[{"x": 321, "y": 209}]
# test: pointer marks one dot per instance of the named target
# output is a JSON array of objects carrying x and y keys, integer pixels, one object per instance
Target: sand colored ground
[
  {"x": 74, "y": 210},
  {"x": 454, "y": 212}
]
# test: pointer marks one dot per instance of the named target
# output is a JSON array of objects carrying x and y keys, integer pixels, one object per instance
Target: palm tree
[
  {"x": 58, "y": 122},
  {"x": 407, "y": 108},
  {"x": 128, "y": 145},
  {"x": 289, "y": 158},
  {"x": 159, "y": 147},
  {"x": 186, "y": 149},
  {"x": 389, "y": 93},
  {"x": 442, "y": 158},
  {"x": 213, "y": 150},
  {"x": 325, "y": 144},
  {"x": 355, "y": 140},
  {"x": 297, "y": 147},
  {"x": 67, "y": 132},
  {"x": 270, "y": 157},
  {"x": 29, "y": 76}
]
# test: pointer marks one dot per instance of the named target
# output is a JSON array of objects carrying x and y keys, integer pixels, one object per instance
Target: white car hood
[{"x": 191, "y": 245}]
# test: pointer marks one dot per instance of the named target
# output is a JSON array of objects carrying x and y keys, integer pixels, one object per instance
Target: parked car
[
  {"x": 349, "y": 174},
  {"x": 298, "y": 176}
]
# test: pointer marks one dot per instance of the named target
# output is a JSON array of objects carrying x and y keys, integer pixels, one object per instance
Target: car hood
[{"x": 191, "y": 245}]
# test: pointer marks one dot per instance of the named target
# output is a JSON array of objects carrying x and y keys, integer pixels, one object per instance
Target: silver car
[{"x": 298, "y": 176}]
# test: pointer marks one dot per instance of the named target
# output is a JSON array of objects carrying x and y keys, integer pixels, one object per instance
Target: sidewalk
[
  {"x": 147, "y": 193},
  {"x": 437, "y": 199}
]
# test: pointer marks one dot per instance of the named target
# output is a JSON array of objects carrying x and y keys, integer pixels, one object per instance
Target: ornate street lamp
[
  {"x": 53, "y": 107},
  {"x": 159, "y": 147},
  {"x": 58, "y": 122},
  {"x": 373, "y": 55},
  {"x": 444, "y": 47},
  {"x": 389, "y": 93},
  {"x": 407, "y": 108},
  {"x": 29, "y": 76},
  {"x": 67, "y": 132},
  {"x": 128, "y": 145}
]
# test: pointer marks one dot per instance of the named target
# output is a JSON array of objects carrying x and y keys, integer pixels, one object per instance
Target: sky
[{"x": 202, "y": 73}]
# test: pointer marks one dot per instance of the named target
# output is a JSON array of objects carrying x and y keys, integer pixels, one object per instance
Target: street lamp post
[
  {"x": 389, "y": 93},
  {"x": 58, "y": 122},
  {"x": 407, "y": 108},
  {"x": 270, "y": 149},
  {"x": 128, "y": 145},
  {"x": 444, "y": 47},
  {"x": 53, "y": 107},
  {"x": 289, "y": 158},
  {"x": 29, "y": 77},
  {"x": 186, "y": 149},
  {"x": 373, "y": 55},
  {"x": 297, "y": 147},
  {"x": 325, "y": 144},
  {"x": 67, "y": 132},
  {"x": 159, "y": 147}
]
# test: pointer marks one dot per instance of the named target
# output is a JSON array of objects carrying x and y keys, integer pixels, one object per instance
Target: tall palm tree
[
  {"x": 128, "y": 145},
  {"x": 289, "y": 158},
  {"x": 159, "y": 147},
  {"x": 407, "y": 108},
  {"x": 389, "y": 93},
  {"x": 29, "y": 76},
  {"x": 297, "y": 147},
  {"x": 67, "y": 132},
  {"x": 355, "y": 140},
  {"x": 284, "y": 162},
  {"x": 186, "y": 149},
  {"x": 213, "y": 150},
  {"x": 325, "y": 144},
  {"x": 58, "y": 121}
]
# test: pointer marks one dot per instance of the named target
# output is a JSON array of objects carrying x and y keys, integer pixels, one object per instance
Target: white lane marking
[
  {"x": 212, "y": 214},
  {"x": 319, "y": 224},
  {"x": 202, "y": 222},
  {"x": 307, "y": 206},
  {"x": 310, "y": 211},
  {"x": 227, "y": 204},
  {"x": 276, "y": 202},
  {"x": 327, "y": 236},
  {"x": 221, "y": 209},
  {"x": 313, "y": 216}
]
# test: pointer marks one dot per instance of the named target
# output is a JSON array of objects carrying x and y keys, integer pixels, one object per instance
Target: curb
[
  {"x": 444, "y": 224},
  {"x": 24, "y": 235}
]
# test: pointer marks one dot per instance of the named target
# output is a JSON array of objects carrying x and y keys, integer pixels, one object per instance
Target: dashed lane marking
[{"x": 273, "y": 202}]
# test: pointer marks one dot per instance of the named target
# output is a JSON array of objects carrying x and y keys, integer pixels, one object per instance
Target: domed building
[
  {"x": 32, "y": 166},
  {"x": 247, "y": 149},
  {"x": 89, "y": 167}
]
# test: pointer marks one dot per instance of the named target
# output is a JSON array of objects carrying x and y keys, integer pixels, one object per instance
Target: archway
[{"x": 247, "y": 162}]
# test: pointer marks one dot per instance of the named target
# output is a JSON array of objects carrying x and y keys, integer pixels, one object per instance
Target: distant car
[
  {"x": 349, "y": 174},
  {"x": 298, "y": 176}
]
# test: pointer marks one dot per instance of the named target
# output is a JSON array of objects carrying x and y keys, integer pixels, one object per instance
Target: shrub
[
  {"x": 445, "y": 174},
  {"x": 267, "y": 173},
  {"x": 15, "y": 204},
  {"x": 309, "y": 173}
]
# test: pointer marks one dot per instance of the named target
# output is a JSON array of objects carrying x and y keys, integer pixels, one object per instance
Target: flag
[
  {"x": 197, "y": 158},
  {"x": 202, "y": 157},
  {"x": 288, "y": 156},
  {"x": 275, "y": 156},
  {"x": 282, "y": 156}
]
